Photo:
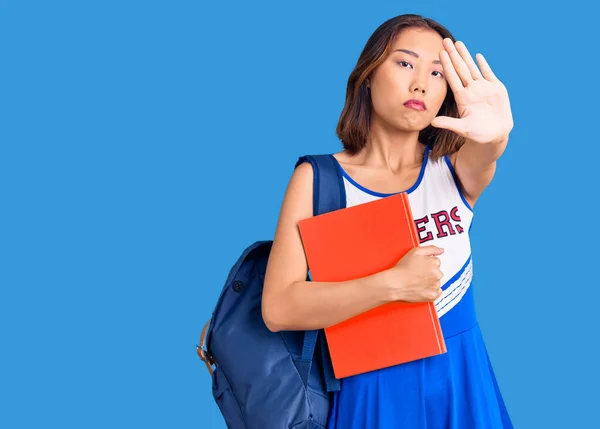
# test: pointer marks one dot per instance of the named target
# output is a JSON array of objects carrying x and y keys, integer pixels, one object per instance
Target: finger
[
  {"x": 439, "y": 293},
  {"x": 429, "y": 250},
  {"x": 452, "y": 77},
  {"x": 453, "y": 124},
  {"x": 457, "y": 61},
  {"x": 436, "y": 262},
  {"x": 468, "y": 59},
  {"x": 486, "y": 70}
]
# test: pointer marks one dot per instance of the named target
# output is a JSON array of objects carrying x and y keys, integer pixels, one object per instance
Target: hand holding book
[{"x": 416, "y": 277}]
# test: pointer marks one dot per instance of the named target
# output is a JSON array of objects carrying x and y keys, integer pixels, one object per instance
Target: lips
[{"x": 415, "y": 104}]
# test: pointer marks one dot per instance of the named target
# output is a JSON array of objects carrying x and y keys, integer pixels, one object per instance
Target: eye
[
  {"x": 440, "y": 74},
  {"x": 404, "y": 63}
]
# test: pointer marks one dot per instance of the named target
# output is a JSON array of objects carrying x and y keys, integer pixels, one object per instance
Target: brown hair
[{"x": 353, "y": 125}]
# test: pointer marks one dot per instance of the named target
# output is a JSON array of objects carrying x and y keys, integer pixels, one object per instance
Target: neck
[{"x": 391, "y": 148}]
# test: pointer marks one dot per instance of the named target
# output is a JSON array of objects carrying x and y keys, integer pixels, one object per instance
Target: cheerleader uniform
[{"x": 454, "y": 390}]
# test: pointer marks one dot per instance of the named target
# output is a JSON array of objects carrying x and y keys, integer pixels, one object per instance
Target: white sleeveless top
[{"x": 443, "y": 218}]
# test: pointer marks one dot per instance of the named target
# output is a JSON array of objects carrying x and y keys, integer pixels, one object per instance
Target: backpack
[{"x": 263, "y": 379}]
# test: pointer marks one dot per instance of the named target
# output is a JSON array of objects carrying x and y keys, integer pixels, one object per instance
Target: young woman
[{"x": 420, "y": 117}]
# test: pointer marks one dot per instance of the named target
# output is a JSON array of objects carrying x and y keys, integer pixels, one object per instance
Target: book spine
[{"x": 415, "y": 238}]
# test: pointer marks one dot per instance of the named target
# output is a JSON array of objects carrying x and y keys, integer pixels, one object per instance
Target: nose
[
  {"x": 418, "y": 88},
  {"x": 418, "y": 83}
]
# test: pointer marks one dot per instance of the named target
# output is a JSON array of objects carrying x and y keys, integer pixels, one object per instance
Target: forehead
[{"x": 423, "y": 41}]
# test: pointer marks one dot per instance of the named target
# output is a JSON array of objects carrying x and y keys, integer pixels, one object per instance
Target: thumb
[
  {"x": 429, "y": 250},
  {"x": 448, "y": 123}
]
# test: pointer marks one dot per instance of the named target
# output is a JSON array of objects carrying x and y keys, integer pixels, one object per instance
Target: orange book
[{"x": 355, "y": 242}]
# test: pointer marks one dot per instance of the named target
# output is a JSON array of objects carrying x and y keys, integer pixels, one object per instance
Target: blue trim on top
[
  {"x": 453, "y": 300},
  {"x": 455, "y": 177},
  {"x": 381, "y": 194},
  {"x": 458, "y": 274}
]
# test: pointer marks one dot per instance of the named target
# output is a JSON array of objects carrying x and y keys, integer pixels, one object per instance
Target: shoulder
[
  {"x": 350, "y": 164},
  {"x": 302, "y": 175},
  {"x": 342, "y": 156},
  {"x": 452, "y": 158},
  {"x": 297, "y": 200}
]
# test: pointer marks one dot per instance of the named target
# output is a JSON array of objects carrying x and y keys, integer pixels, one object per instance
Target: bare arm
[
  {"x": 289, "y": 301},
  {"x": 475, "y": 166}
]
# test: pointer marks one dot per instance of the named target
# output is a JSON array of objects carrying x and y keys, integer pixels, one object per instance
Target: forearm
[
  {"x": 483, "y": 155},
  {"x": 306, "y": 305}
]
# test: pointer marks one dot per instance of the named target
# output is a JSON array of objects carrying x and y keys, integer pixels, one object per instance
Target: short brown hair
[{"x": 353, "y": 125}]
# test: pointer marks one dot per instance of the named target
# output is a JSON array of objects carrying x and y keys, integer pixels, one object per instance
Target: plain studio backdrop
[{"x": 145, "y": 144}]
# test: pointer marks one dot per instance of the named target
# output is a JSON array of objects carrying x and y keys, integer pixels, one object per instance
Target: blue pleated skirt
[{"x": 454, "y": 390}]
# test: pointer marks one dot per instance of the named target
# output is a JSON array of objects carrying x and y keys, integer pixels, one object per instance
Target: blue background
[{"x": 144, "y": 144}]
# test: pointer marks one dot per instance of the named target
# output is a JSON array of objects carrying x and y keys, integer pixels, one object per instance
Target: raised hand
[{"x": 483, "y": 103}]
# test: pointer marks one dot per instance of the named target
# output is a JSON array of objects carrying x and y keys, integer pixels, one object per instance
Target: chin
[
  {"x": 405, "y": 123},
  {"x": 410, "y": 126}
]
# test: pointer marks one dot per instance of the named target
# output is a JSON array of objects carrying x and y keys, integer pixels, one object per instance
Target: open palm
[{"x": 483, "y": 103}]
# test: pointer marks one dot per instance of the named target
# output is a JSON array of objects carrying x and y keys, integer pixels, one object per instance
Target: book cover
[{"x": 356, "y": 242}]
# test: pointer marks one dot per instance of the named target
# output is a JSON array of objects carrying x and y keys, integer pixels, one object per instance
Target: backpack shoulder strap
[
  {"x": 328, "y": 195},
  {"x": 328, "y": 186}
]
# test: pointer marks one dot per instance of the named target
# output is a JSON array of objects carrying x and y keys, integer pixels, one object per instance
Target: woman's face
[{"x": 411, "y": 72}]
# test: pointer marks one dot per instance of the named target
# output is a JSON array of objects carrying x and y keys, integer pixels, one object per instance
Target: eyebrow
[{"x": 414, "y": 54}]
